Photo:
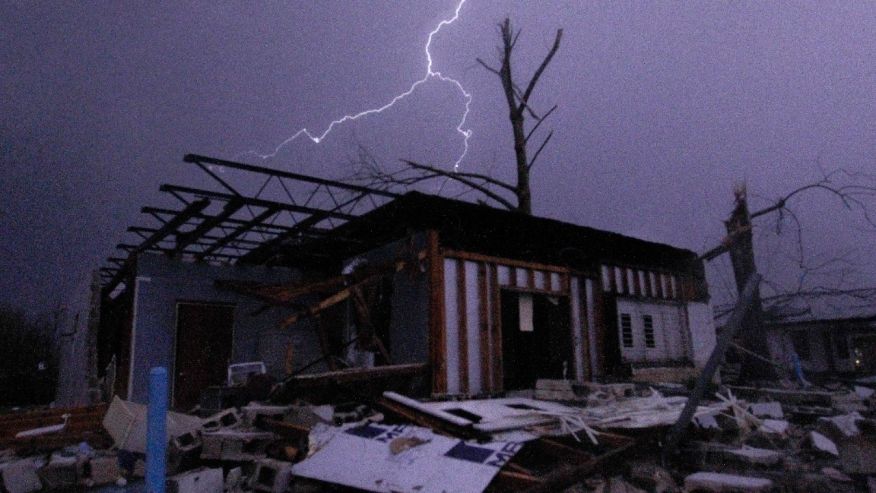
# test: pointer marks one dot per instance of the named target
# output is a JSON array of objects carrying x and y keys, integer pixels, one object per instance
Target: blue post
[{"x": 156, "y": 434}]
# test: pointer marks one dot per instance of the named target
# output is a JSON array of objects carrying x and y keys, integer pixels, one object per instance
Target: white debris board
[{"x": 360, "y": 456}]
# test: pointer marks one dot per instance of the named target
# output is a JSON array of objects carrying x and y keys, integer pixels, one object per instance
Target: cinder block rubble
[
  {"x": 202, "y": 480},
  {"x": 271, "y": 476},
  {"x": 21, "y": 476}
]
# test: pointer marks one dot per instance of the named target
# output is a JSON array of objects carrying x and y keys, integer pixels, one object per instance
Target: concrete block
[
  {"x": 848, "y": 403},
  {"x": 60, "y": 472},
  {"x": 226, "y": 419},
  {"x": 254, "y": 410},
  {"x": 823, "y": 444},
  {"x": 234, "y": 479},
  {"x": 203, "y": 480},
  {"x": 725, "y": 483},
  {"x": 845, "y": 424},
  {"x": 771, "y": 410},
  {"x": 777, "y": 426},
  {"x": 21, "y": 476},
  {"x": 271, "y": 476},
  {"x": 186, "y": 442},
  {"x": 103, "y": 469},
  {"x": 235, "y": 445},
  {"x": 836, "y": 475},
  {"x": 756, "y": 456}
]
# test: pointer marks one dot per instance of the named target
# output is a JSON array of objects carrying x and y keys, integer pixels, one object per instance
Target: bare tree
[{"x": 519, "y": 106}]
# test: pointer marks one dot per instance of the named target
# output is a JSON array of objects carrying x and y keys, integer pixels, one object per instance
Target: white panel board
[
  {"x": 451, "y": 326},
  {"x": 402, "y": 458},
  {"x": 556, "y": 281},
  {"x": 472, "y": 323},
  {"x": 540, "y": 280},
  {"x": 504, "y": 274},
  {"x": 522, "y": 277}
]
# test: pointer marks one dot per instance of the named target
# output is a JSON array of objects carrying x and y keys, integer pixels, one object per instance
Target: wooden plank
[
  {"x": 484, "y": 328},
  {"x": 599, "y": 329},
  {"x": 567, "y": 475},
  {"x": 437, "y": 348},
  {"x": 356, "y": 375},
  {"x": 428, "y": 421},
  {"x": 462, "y": 326},
  {"x": 512, "y": 276},
  {"x": 530, "y": 279},
  {"x": 583, "y": 314},
  {"x": 560, "y": 451},
  {"x": 477, "y": 257},
  {"x": 496, "y": 332},
  {"x": 513, "y": 481}
]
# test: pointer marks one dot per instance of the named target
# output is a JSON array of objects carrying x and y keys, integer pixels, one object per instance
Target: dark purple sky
[{"x": 662, "y": 108}]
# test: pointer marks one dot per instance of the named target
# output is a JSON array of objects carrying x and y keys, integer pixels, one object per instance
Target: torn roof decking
[
  {"x": 486, "y": 230},
  {"x": 224, "y": 225}
]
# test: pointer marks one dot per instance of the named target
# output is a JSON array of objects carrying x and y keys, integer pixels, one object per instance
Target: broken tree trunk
[
  {"x": 741, "y": 249},
  {"x": 737, "y": 320}
]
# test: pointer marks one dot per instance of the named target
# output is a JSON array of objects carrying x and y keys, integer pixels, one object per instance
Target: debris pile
[{"x": 565, "y": 437}]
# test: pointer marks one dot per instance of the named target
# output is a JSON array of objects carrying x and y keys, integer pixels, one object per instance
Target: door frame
[{"x": 173, "y": 353}]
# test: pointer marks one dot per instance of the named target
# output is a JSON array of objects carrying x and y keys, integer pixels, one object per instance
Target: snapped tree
[{"x": 850, "y": 189}]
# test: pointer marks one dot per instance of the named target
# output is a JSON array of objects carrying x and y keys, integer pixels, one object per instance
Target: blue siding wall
[{"x": 162, "y": 282}]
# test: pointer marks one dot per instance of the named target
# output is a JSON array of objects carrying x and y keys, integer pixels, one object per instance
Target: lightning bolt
[{"x": 430, "y": 74}]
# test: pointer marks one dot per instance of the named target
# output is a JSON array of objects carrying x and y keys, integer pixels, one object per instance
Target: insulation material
[
  {"x": 472, "y": 327},
  {"x": 451, "y": 321},
  {"x": 401, "y": 458}
]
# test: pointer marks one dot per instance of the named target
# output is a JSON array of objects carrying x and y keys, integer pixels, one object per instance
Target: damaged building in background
[
  {"x": 830, "y": 331},
  {"x": 311, "y": 276}
]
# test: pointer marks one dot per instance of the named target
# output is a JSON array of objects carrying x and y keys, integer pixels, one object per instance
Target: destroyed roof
[
  {"x": 813, "y": 306},
  {"x": 481, "y": 229}
]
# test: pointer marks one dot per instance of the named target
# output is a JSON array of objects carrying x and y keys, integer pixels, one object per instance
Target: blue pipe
[{"x": 156, "y": 431}]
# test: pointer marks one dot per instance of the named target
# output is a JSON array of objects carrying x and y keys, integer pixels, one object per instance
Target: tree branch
[
  {"x": 469, "y": 183},
  {"x": 543, "y": 66},
  {"x": 539, "y": 123},
  {"x": 546, "y": 140}
]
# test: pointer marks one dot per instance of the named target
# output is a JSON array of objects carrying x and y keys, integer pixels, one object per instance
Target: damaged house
[
  {"x": 830, "y": 331},
  {"x": 463, "y": 298}
]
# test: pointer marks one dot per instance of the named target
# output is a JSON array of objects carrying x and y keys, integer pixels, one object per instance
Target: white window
[{"x": 651, "y": 332}]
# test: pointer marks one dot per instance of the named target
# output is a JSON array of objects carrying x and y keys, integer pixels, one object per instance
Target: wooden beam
[
  {"x": 437, "y": 342},
  {"x": 477, "y": 257},
  {"x": 462, "y": 325},
  {"x": 496, "y": 331},
  {"x": 484, "y": 328}
]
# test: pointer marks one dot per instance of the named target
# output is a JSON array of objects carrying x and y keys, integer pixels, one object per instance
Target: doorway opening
[
  {"x": 203, "y": 350},
  {"x": 536, "y": 338}
]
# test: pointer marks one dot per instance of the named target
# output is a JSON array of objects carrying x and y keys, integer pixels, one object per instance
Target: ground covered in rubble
[{"x": 559, "y": 436}]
